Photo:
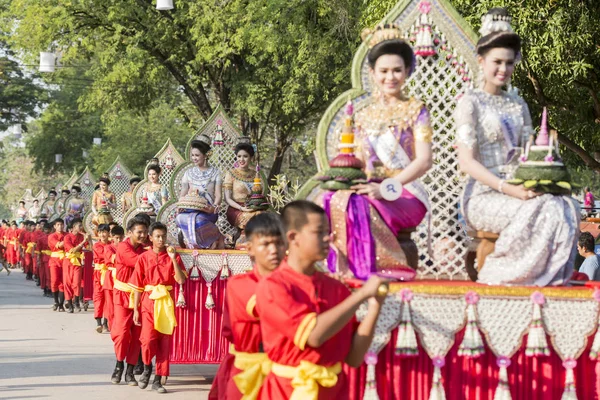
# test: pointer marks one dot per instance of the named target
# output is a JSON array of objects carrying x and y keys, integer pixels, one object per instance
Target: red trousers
[
  {"x": 109, "y": 307},
  {"x": 56, "y": 274},
  {"x": 99, "y": 298},
  {"x": 124, "y": 333},
  {"x": 154, "y": 343},
  {"x": 28, "y": 263},
  {"x": 46, "y": 264},
  {"x": 40, "y": 271},
  {"x": 67, "y": 275}
]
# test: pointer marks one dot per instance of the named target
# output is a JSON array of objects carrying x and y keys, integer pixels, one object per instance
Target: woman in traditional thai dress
[
  {"x": 199, "y": 200},
  {"x": 238, "y": 185},
  {"x": 59, "y": 207},
  {"x": 103, "y": 200},
  {"x": 75, "y": 207},
  {"x": 156, "y": 193},
  {"x": 127, "y": 197},
  {"x": 34, "y": 211},
  {"x": 21, "y": 212},
  {"x": 49, "y": 204},
  {"x": 393, "y": 139},
  {"x": 537, "y": 233}
]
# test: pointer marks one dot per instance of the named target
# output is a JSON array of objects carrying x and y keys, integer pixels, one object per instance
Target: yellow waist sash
[
  {"x": 75, "y": 258},
  {"x": 46, "y": 252},
  {"x": 57, "y": 254},
  {"x": 254, "y": 368},
  {"x": 103, "y": 268},
  {"x": 307, "y": 377},
  {"x": 29, "y": 248},
  {"x": 113, "y": 272},
  {"x": 123, "y": 287},
  {"x": 164, "y": 308},
  {"x": 13, "y": 242}
]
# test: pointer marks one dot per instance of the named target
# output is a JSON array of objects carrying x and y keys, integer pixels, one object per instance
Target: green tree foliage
[
  {"x": 560, "y": 68},
  {"x": 19, "y": 94},
  {"x": 137, "y": 137},
  {"x": 275, "y": 64}
]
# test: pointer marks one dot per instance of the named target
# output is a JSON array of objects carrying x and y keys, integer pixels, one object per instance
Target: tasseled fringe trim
[
  {"x": 472, "y": 344},
  {"x": 371, "y": 385},
  {"x": 406, "y": 342},
  {"x": 209, "y": 303},
  {"x": 181, "y": 298},
  {"x": 503, "y": 389},
  {"x": 225, "y": 273},
  {"x": 437, "y": 387},
  {"x": 537, "y": 344},
  {"x": 569, "y": 393}
]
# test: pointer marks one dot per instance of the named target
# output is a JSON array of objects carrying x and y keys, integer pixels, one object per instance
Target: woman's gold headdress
[{"x": 381, "y": 33}]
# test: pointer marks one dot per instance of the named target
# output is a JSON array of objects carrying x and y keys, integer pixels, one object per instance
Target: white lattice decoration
[
  {"x": 41, "y": 196},
  {"x": 119, "y": 184},
  {"x": 222, "y": 157},
  {"x": 569, "y": 323},
  {"x": 87, "y": 181},
  {"x": 388, "y": 319},
  {"x": 210, "y": 263},
  {"x": 437, "y": 319},
  {"x": 169, "y": 160},
  {"x": 504, "y": 321},
  {"x": 437, "y": 81}
]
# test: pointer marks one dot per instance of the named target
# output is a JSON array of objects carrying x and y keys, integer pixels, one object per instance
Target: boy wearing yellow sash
[
  {"x": 307, "y": 318},
  {"x": 100, "y": 273},
  {"x": 156, "y": 273}
]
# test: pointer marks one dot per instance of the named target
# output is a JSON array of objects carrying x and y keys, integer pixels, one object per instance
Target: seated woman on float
[
  {"x": 199, "y": 200},
  {"x": 537, "y": 233},
  {"x": 393, "y": 140}
]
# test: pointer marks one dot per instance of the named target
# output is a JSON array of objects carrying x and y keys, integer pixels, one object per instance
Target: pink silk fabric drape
[
  {"x": 197, "y": 338},
  {"x": 531, "y": 378}
]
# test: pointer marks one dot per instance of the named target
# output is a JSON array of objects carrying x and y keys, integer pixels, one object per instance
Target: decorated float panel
[
  {"x": 445, "y": 52},
  {"x": 221, "y": 156},
  {"x": 169, "y": 160}
]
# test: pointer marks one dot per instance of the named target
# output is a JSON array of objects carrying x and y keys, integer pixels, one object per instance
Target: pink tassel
[
  {"x": 180, "y": 298},
  {"x": 406, "y": 342},
  {"x": 225, "y": 273},
  {"x": 503, "y": 389},
  {"x": 371, "y": 386},
  {"x": 570, "y": 393},
  {"x": 537, "y": 345},
  {"x": 437, "y": 387},
  {"x": 472, "y": 344},
  {"x": 210, "y": 302}
]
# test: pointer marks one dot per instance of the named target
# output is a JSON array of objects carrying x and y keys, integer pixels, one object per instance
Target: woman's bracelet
[{"x": 501, "y": 186}]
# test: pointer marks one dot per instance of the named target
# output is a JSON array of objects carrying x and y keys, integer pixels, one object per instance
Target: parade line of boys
[{"x": 290, "y": 326}]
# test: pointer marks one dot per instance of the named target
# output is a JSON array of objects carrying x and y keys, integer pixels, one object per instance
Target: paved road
[{"x": 51, "y": 355}]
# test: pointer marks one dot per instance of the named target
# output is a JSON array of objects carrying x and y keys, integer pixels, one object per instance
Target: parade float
[{"x": 440, "y": 336}]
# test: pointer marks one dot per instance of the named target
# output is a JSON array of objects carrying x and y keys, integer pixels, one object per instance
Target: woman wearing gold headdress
[
  {"x": 103, "y": 200},
  {"x": 156, "y": 193},
  {"x": 238, "y": 185},
  {"x": 392, "y": 140},
  {"x": 75, "y": 207},
  {"x": 199, "y": 200},
  {"x": 537, "y": 233}
]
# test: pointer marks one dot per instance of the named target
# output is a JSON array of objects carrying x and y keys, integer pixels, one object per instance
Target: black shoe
[
  {"x": 55, "y": 306},
  {"x": 145, "y": 377},
  {"x": 69, "y": 306},
  {"x": 99, "y": 325},
  {"x": 156, "y": 385},
  {"x": 117, "y": 373},
  {"x": 61, "y": 301},
  {"x": 139, "y": 367},
  {"x": 129, "y": 377},
  {"x": 75, "y": 304},
  {"x": 86, "y": 305}
]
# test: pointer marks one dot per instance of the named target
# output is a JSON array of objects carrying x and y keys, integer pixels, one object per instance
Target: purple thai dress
[{"x": 365, "y": 230}]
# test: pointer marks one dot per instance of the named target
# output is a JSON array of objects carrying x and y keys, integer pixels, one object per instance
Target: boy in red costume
[
  {"x": 124, "y": 333},
  {"x": 43, "y": 253},
  {"x": 57, "y": 248},
  {"x": 100, "y": 273},
  {"x": 307, "y": 318},
  {"x": 156, "y": 273},
  {"x": 74, "y": 243},
  {"x": 241, "y": 325},
  {"x": 110, "y": 253},
  {"x": 27, "y": 244},
  {"x": 4, "y": 254}
]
